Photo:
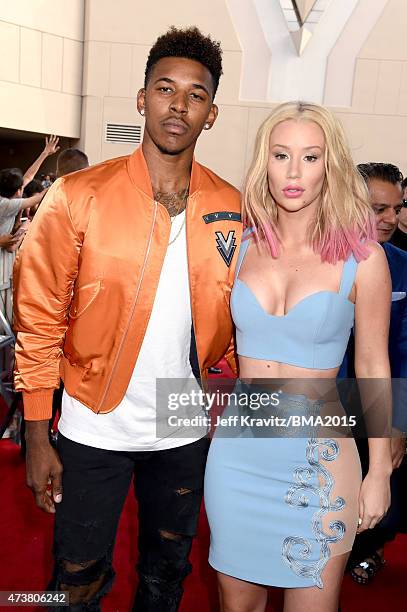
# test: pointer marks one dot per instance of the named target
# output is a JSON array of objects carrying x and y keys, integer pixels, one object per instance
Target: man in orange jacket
[{"x": 124, "y": 278}]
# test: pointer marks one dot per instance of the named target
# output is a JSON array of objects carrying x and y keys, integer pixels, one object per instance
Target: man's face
[
  {"x": 386, "y": 200},
  {"x": 177, "y": 103}
]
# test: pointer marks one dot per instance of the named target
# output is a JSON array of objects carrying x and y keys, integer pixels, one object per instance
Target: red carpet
[{"x": 27, "y": 540}]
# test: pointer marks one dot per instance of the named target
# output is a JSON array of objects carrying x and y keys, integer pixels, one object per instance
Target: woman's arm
[{"x": 372, "y": 367}]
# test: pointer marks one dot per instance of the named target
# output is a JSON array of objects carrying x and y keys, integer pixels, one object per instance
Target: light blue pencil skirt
[{"x": 280, "y": 507}]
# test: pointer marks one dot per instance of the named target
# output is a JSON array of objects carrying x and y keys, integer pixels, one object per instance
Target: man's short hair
[
  {"x": 32, "y": 188},
  {"x": 191, "y": 44},
  {"x": 404, "y": 184},
  {"x": 389, "y": 173},
  {"x": 11, "y": 180},
  {"x": 71, "y": 160}
]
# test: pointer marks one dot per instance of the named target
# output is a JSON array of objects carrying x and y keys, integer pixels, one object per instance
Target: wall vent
[{"x": 123, "y": 133}]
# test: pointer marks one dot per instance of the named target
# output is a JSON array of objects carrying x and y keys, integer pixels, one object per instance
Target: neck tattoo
[{"x": 175, "y": 202}]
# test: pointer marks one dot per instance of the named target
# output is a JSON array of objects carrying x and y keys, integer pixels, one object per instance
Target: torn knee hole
[
  {"x": 168, "y": 535},
  {"x": 183, "y": 491},
  {"x": 78, "y": 574},
  {"x": 83, "y": 593},
  {"x": 85, "y": 581},
  {"x": 76, "y": 567}
]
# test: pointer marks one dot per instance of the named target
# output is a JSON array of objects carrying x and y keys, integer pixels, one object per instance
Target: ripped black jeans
[{"x": 168, "y": 488}]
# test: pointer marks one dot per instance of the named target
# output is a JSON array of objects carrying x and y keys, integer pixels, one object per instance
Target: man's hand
[
  {"x": 51, "y": 145},
  {"x": 9, "y": 242},
  {"x": 44, "y": 468}
]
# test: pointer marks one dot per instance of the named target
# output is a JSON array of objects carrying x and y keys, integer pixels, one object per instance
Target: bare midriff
[{"x": 294, "y": 379}]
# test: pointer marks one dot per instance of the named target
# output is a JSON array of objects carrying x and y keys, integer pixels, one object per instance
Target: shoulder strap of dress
[
  {"x": 243, "y": 249},
  {"x": 350, "y": 267}
]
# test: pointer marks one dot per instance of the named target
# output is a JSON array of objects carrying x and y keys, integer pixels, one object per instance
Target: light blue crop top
[{"x": 313, "y": 334}]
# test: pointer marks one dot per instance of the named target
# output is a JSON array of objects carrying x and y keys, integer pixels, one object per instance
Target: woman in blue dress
[{"x": 284, "y": 508}]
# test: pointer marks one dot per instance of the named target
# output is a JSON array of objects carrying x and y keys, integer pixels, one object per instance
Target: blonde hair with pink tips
[{"x": 344, "y": 222}]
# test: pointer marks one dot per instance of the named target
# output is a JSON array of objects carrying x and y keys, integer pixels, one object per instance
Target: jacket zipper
[
  {"x": 190, "y": 295},
  {"x": 133, "y": 308}
]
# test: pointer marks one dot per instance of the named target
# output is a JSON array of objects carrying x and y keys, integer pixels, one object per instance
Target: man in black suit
[
  {"x": 399, "y": 238},
  {"x": 384, "y": 182}
]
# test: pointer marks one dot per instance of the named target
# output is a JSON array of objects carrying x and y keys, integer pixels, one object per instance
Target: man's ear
[
  {"x": 141, "y": 100},
  {"x": 210, "y": 120}
]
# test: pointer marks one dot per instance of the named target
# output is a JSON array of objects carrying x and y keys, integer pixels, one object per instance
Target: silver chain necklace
[{"x": 180, "y": 229}]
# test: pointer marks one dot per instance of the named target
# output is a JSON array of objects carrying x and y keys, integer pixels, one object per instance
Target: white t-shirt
[
  {"x": 131, "y": 426},
  {"x": 9, "y": 209}
]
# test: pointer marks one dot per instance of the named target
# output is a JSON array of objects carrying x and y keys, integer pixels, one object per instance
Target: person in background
[
  {"x": 385, "y": 185},
  {"x": 32, "y": 188},
  {"x": 12, "y": 203},
  {"x": 46, "y": 181},
  {"x": 71, "y": 160},
  {"x": 399, "y": 237}
]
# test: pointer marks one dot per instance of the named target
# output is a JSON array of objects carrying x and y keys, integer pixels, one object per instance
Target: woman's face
[{"x": 296, "y": 165}]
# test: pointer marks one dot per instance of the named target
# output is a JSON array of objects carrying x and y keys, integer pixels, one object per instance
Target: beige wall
[
  {"x": 376, "y": 122},
  {"x": 361, "y": 70},
  {"x": 118, "y": 36},
  {"x": 41, "y": 46}
]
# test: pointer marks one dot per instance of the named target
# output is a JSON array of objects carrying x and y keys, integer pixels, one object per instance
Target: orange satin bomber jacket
[{"x": 86, "y": 277}]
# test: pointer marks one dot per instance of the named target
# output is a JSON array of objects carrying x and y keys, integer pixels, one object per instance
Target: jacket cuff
[{"x": 38, "y": 404}]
